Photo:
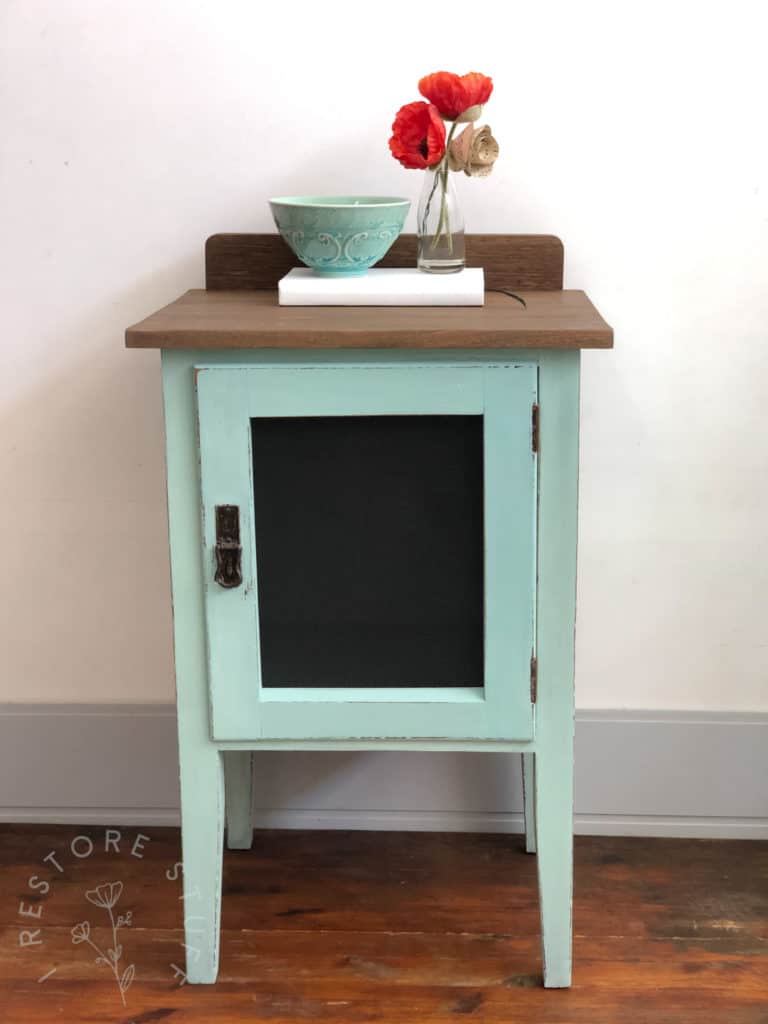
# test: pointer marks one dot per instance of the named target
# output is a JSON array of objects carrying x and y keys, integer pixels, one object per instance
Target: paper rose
[{"x": 474, "y": 152}]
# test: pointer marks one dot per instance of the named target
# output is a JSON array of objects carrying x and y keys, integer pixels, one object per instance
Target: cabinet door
[{"x": 386, "y": 517}]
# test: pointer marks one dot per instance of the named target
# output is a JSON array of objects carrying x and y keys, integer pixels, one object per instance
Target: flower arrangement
[{"x": 419, "y": 142}]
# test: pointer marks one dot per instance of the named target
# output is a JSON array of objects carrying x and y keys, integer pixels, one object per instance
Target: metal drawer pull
[{"x": 229, "y": 552}]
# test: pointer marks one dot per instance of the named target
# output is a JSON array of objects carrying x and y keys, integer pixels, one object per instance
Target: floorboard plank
[{"x": 359, "y": 927}]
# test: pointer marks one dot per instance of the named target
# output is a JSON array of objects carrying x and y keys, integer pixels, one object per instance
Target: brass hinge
[
  {"x": 534, "y": 678},
  {"x": 535, "y": 427}
]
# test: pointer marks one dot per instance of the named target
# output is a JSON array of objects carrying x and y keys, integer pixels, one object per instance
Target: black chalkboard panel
[{"x": 369, "y": 545}]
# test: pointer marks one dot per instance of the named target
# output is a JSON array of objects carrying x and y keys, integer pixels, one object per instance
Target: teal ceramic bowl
[{"x": 339, "y": 235}]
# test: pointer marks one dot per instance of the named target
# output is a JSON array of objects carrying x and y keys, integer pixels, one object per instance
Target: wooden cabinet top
[
  {"x": 212, "y": 319},
  {"x": 239, "y": 307}
]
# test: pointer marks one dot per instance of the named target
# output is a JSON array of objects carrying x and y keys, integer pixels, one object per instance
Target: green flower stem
[
  {"x": 444, "y": 222},
  {"x": 428, "y": 204}
]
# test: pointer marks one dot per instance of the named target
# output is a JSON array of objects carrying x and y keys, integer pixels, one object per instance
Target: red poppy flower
[
  {"x": 418, "y": 135},
  {"x": 453, "y": 95}
]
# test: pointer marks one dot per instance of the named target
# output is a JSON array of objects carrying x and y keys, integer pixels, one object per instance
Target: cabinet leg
[
  {"x": 529, "y": 801},
  {"x": 202, "y": 838},
  {"x": 555, "y": 620},
  {"x": 554, "y": 833},
  {"x": 238, "y": 777}
]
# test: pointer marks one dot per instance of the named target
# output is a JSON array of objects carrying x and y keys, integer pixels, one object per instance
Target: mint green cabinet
[
  {"x": 529, "y": 526},
  {"x": 372, "y": 523}
]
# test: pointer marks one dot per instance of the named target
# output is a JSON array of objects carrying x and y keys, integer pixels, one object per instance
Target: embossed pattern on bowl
[{"x": 339, "y": 235}]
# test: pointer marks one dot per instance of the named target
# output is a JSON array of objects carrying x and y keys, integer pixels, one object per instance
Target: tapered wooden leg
[
  {"x": 529, "y": 805},
  {"x": 556, "y": 614},
  {"x": 554, "y": 841},
  {"x": 238, "y": 776},
  {"x": 202, "y": 839},
  {"x": 201, "y": 771}
]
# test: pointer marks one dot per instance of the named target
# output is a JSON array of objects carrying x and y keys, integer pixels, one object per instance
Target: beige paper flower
[{"x": 474, "y": 152}]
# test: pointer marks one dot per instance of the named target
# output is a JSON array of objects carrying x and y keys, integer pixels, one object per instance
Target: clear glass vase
[{"x": 440, "y": 223}]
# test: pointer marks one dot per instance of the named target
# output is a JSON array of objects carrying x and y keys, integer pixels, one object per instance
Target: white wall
[{"x": 636, "y": 132}]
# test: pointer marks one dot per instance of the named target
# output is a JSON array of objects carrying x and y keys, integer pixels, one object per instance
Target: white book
[{"x": 383, "y": 286}]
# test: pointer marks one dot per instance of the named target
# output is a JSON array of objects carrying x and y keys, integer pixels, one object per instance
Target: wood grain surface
[
  {"x": 249, "y": 262},
  {"x": 240, "y": 319},
  {"x": 373, "y": 926}
]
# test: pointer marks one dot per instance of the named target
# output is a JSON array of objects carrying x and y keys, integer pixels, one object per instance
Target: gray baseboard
[{"x": 637, "y": 773}]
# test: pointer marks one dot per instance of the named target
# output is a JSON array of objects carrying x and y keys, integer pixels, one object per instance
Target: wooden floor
[{"x": 373, "y": 926}]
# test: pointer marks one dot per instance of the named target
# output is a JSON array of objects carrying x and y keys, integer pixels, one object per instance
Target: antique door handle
[{"x": 229, "y": 551}]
